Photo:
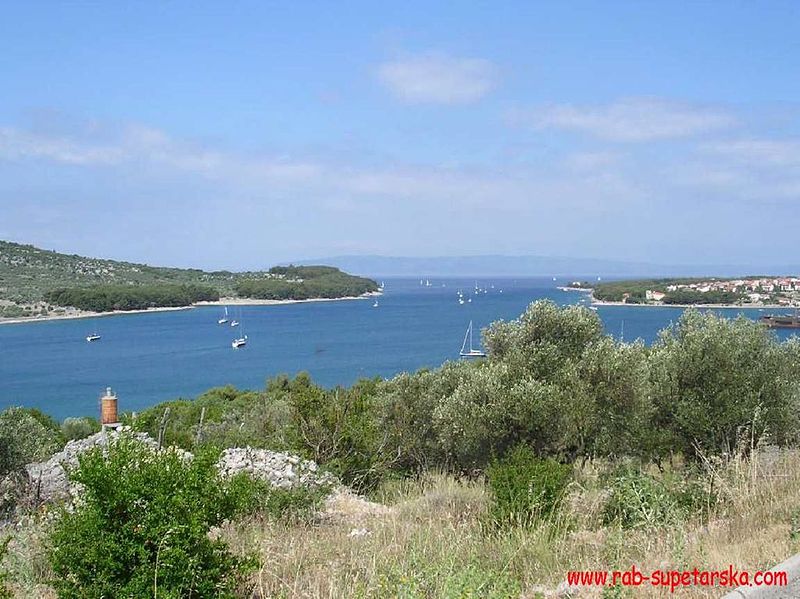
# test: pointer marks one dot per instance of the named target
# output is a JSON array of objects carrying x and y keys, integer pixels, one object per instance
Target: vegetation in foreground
[
  {"x": 563, "y": 450},
  {"x": 35, "y": 281}
]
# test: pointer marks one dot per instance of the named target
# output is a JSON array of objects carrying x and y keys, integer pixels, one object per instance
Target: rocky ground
[{"x": 282, "y": 470}]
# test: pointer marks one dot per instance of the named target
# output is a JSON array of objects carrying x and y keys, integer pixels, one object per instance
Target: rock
[
  {"x": 49, "y": 478},
  {"x": 282, "y": 470},
  {"x": 357, "y": 533},
  {"x": 343, "y": 505}
]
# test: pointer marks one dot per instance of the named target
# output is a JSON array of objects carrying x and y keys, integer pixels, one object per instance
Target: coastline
[
  {"x": 596, "y": 302},
  {"x": 224, "y": 301},
  {"x": 244, "y": 301},
  {"x": 714, "y": 306}
]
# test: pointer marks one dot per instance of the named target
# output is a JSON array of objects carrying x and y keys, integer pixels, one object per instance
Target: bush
[
  {"x": 26, "y": 436},
  {"x": 143, "y": 526},
  {"x": 5, "y": 592},
  {"x": 298, "y": 504},
  {"x": 79, "y": 428},
  {"x": 339, "y": 429},
  {"x": 525, "y": 487},
  {"x": 638, "y": 499}
]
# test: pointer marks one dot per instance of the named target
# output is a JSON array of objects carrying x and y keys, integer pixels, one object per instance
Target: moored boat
[{"x": 781, "y": 322}]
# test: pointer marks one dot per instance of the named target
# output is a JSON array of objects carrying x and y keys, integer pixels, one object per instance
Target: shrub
[
  {"x": 5, "y": 592},
  {"x": 298, "y": 504},
  {"x": 638, "y": 499},
  {"x": 79, "y": 428},
  {"x": 525, "y": 487},
  {"x": 25, "y": 439},
  {"x": 142, "y": 527},
  {"x": 339, "y": 429}
]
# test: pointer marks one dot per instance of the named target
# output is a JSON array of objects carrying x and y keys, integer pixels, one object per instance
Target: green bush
[
  {"x": 5, "y": 592},
  {"x": 79, "y": 428},
  {"x": 142, "y": 527},
  {"x": 525, "y": 487},
  {"x": 299, "y": 504},
  {"x": 26, "y": 436},
  {"x": 639, "y": 499},
  {"x": 339, "y": 429}
]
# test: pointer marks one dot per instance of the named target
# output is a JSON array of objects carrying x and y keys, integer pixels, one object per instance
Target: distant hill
[
  {"x": 31, "y": 277},
  {"x": 545, "y": 266}
]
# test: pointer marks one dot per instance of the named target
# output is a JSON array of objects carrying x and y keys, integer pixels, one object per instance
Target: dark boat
[{"x": 782, "y": 322}]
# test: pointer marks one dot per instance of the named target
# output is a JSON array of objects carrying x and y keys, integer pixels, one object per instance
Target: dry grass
[
  {"x": 436, "y": 543},
  {"x": 435, "y": 540}
]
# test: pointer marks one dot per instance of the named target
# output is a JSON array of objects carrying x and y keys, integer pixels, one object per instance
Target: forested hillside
[{"x": 34, "y": 281}]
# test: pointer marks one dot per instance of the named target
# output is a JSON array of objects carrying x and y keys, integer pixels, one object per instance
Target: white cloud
[
  {"x": 759, "y": 151},
  {"x": 750, "y": 169},
  {"x": 438, "y": 79},
  {"x": 628, "y": 120}
]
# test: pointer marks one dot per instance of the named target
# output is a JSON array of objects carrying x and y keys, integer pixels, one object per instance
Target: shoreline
[
  {"x": 244, "y": 301},
  {"x": 597, "y": 302},
  {"x": 225, "y": 301},
  {"x": 714, "y": 306}
]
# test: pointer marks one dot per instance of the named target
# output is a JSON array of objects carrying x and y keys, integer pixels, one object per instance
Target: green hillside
[{"x": 34, "y": 281}]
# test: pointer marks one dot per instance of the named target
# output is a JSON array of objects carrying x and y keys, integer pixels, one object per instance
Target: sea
[{"x": 154, "y": 357}]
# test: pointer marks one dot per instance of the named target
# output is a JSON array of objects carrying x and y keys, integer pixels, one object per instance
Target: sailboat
[
  {"x": 239, "y": 341},
  {"x": 375, "y": 305},
  {"x": 224, "y": 318},
  {"x": 471, "y": 352}
]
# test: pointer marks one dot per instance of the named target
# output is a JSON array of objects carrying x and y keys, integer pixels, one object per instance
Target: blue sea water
[{"x": 149, "y": 358}]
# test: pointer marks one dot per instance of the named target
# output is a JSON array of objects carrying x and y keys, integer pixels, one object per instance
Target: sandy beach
[
  {"x": 225, "y": 301},
  {"x": 244, "y": 301}
]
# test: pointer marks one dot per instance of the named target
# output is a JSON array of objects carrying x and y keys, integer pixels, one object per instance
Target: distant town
[{"x": 752, "y": 291}]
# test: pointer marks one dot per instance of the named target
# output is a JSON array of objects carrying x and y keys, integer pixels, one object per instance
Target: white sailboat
[
  {"x": 471, "y": 352},
  {"x": 224, "y": 318},
  {"x": 375, "y": 305},
  {"x": 239, "y": 341}
]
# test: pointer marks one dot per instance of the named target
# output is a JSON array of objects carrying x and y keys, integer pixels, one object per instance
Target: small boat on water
[
  {"x": 470, "y": 352},
  {"x": 234, "y": 323},
  {"x": 781, "y": 322},
  {"x": 375, "y": 305},
  {"x": 93, "y": 337},
  {"x": 224, "y": 318}
]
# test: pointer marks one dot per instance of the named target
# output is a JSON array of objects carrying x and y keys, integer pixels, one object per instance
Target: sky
[{"x": 239, "y": 135}]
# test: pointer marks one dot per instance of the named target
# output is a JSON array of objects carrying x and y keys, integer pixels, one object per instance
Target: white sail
[{"x": 471, "y": 352}]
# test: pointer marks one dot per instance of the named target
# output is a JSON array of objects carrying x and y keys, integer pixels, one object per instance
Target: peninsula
[
  {"x": 38, "y": 284},
  {"x": 751, "y": 291}
]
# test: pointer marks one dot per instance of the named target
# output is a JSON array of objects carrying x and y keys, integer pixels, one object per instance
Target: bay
[{"x": 154, "y": 357}]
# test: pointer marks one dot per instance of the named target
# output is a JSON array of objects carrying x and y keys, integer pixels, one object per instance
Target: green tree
[{"x": 716, "y": 382}]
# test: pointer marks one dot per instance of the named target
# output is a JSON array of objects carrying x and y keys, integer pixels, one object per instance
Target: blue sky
[{"x": 242, "y": 134}]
